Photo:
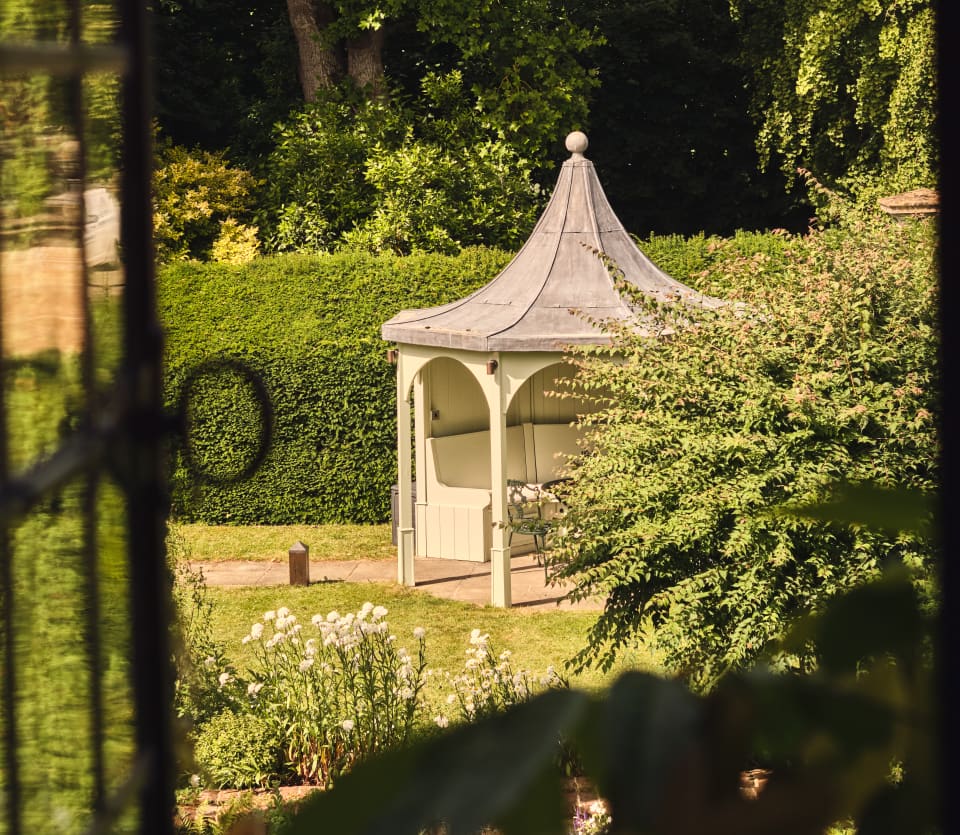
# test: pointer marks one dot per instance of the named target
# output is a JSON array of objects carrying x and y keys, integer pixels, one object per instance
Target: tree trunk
[
  {"x": 365, "y": 62},
  {"x": 320, "y": 63}
]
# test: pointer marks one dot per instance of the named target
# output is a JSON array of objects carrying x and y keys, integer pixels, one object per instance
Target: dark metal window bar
[{"x": 121, "y": 432}]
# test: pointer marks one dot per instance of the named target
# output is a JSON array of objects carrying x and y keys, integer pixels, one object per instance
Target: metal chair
[{"x": 525, "y": 512}]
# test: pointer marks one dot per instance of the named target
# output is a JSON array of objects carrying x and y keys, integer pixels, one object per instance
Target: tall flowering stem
[{"x": 337, "y": 690}]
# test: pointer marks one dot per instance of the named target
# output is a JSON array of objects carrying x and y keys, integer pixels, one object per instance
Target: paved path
[{"x": 450, "y": 579}]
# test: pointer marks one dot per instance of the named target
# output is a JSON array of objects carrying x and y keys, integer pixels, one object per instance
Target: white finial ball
[{"x": 577, "y": 142}]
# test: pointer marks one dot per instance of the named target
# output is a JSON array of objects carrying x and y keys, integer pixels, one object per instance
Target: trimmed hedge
[{"x": 310, "y": 327}]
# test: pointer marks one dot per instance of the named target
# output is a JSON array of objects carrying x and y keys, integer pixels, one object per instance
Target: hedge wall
[{"x": 310, "y": 327}]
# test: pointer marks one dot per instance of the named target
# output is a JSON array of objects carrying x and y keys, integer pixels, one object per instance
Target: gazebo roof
[{"x": 546, "y": 297}]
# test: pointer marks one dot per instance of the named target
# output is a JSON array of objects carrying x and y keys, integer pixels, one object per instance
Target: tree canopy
[
  {"x": 844, "y": 88},
  {"x": 700, "y": 112}
]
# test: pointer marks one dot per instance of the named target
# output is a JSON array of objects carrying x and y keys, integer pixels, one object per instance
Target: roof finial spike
[{"x": 577, "y": 144}]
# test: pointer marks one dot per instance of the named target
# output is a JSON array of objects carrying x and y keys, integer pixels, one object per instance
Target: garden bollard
[{"x": 299, "y": 564}]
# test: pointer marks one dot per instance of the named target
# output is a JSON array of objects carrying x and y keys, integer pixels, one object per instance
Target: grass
[
  {"x": 536, "y": 639},
  {"x": 272, "y": 542}
]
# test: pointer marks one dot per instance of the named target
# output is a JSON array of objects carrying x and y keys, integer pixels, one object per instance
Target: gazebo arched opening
[{"x": 451, "y": 446}]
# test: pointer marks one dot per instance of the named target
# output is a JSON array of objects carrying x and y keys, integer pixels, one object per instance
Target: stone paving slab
[{"x": 450, "y": 579}]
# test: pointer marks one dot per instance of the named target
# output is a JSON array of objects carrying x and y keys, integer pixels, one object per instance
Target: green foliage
[
  {"x": 670, "y": 127},
  {"x": 52, "y": 602},
  {"x": 667, "y": 761},
  {"x": 195, "y": 194},
  {"x": 204, "y": 684},
  {"x": 522, "y": 65},
  {"x": 309, "y": 326},
  {"x": 821, "y": 368},
  {"x": 448, "y": 183},
  {"x": 238, "y": 751},
  {"x": 846, "y": 89}
]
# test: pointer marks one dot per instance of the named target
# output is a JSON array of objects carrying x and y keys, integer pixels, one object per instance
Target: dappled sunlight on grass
[
  {"x": 272, "y": 542},
  {"x": 536, "y": 639}
]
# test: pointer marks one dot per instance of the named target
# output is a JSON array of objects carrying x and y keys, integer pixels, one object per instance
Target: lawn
[
  {"x": 272, "y": 542},
  {"x": 536, "y": 639}
]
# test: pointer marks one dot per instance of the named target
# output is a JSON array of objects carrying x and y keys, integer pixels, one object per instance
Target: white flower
[
  {"x": 365, "y": 609},
  {"x": 316, "y": 620},
  {"x": 256, "y": 631},
  {"x": 195, "y": 780},
  {"x": 209, "y": 661},
  {"x": 441, "y": 721},
  {"x": 383, "y": 627},
  {"x": 505, "y": 655},
  {"x": 306, "y": 664},
  {"x": 347, "y": 725},
  {"x": 419, "y": 632},
  {"x": 253, "y": 688},
  {"x": 379, "y": 612},
  {"x": 474, "y": 636},
  {"x": 283, "y": 612},
  {"x": 224, "y": 678},
  {"x": 245, "y": 639},
  {"x": 333, "y": 617},
  {"x": 269, "y": 615},
  {"x": 451, "y": 699},
  {"x": 406, "y": 693}
]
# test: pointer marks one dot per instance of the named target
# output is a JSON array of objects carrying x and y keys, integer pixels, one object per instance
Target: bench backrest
[
  {"x": 553, "y": 443},
  {"x": 464, "y": 460},
  {"x": 535, "y": 453}
]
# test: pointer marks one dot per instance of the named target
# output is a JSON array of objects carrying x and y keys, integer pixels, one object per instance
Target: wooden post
[{"x": 299, "y": 564}]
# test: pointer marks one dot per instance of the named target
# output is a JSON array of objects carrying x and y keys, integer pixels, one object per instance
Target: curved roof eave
[{"x": 530, "y": 304}]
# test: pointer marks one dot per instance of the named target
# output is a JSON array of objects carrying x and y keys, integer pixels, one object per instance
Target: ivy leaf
[
  {"x": 867, "y": 505},
  {"x": 635, "y": 740},
  {"x": 500, "y": 770},
  {"x": 890, "y": 610}
]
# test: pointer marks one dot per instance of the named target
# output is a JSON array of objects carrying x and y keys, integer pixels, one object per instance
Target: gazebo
[{"x": 479, "y": 369}]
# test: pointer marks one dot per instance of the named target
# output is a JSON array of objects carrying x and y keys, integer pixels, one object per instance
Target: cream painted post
[
  {"x": 421, "y": 429},
  {"x": 499, "y": 549},
  {"x": 405, "y": 533}
]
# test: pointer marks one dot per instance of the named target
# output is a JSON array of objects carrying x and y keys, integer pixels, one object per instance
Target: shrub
[
  {"x": 238, "y": 751},
  {"x": 309, "y": 326},
  {"x": 236, "y": 243},
  {"x": 435, "y": 181},
  {"x": 194, "y": 192},
  {"x": 825, "y": 372},
  {"x": 205, "y": 683}
]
